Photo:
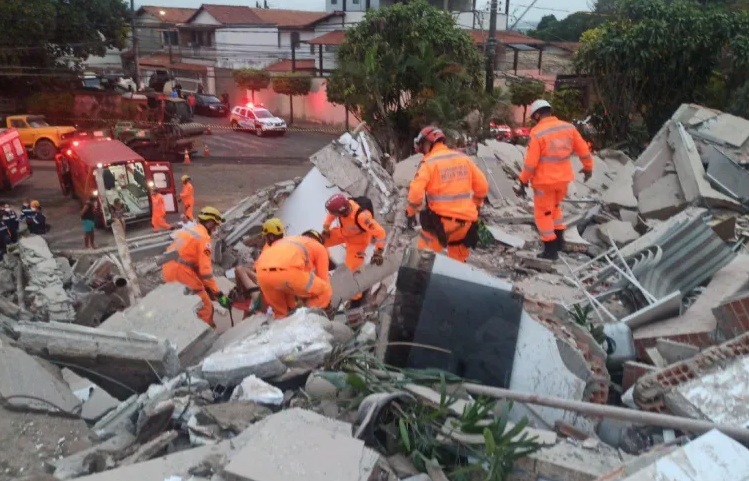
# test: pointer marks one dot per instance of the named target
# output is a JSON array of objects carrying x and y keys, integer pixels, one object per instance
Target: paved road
[{"x": 225, "y": 144}]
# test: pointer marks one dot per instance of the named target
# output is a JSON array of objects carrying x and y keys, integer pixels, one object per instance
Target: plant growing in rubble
[
  {"x": 581, "y": 317},
  {"x": 406, "y": 66},
  {"x": 292, "y": 84},
  {"x": 252, "y": 79}
]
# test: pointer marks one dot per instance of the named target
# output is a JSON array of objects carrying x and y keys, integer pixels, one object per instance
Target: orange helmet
[
  {"x": 428, "y": 134},
  {"x": 338, "y": 204}
]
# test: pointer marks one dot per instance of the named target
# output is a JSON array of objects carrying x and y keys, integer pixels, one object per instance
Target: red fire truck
[
  {"x": 109, "y": 170},
  {"x": 14, "y": 160}
]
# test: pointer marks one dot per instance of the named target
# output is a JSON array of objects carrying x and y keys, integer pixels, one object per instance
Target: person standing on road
[
  {"x": 158, "y": 210},
  {"x": 357, "y": 229},
  {"x": 187, "y": 196},
  {"x": 192, "y": 102},
  {"x": 188, "y": 261},
  {"x": 454, "y": 190},
  {"x": 549, "y": 169},
  {"x": 88, "y": 219},
  {"x": 295, "y": 268},
  {"x": 10, "y": 218}
]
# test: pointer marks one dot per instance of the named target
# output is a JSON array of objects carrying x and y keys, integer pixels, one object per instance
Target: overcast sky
[{"x": 560, "y": 8}]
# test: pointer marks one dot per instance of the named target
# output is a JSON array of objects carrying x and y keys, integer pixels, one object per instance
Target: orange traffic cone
[
  {"x": 206, "y": 151},
  {"x": 187, "y": 157}
]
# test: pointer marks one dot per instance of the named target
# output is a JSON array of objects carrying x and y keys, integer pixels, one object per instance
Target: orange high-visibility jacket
[
  {"x": 548, "y": 158},
  {"x": 296, "y": 252},
  {"x": 158, "y": 209},
  {"x": 187, "y": 194},
  {"x": 192, "y": 248},
  {"x": 453, "y": 185},
  {"x": 350, "y": 228}
]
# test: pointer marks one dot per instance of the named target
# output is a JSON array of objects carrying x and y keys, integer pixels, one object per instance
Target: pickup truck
[{"x": 37, "y": 135}]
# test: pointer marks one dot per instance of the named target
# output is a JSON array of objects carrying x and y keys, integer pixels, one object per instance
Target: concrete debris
[
  {"x": 94, "y": 459},
  {"x": 96, "y": 401},
  {"x": 256, "y": 390},
  {"x": 405, "y": 170},
  {"x": 235, "y": 416},
  {"x": 617, "y": 231},
  {"x": 673, "y": 351},
  {"x": 28, "y": 385},
  {"x": 45, "y": 291},
  {"x": 711, "y": 457},
  {"x": 299, "y": 340},
  {"x": 151, "y": 448},
  {"x": 620, "y": 193},
  {"x": 135, "y": 360},
  {"x": 169, "y": 314},
  {"x": 506, "y": 238}
]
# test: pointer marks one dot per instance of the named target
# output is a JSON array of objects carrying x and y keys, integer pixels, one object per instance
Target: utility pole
[
  {"x": 491, "y": 47},
  {"x": 136, "y": 56}
]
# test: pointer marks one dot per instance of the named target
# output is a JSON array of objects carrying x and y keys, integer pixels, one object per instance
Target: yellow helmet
[
  {"x": 185, "y": 177},
  {"x": 273, "y": 226},
  {"x": 35, "y": 204},
  {"x": 210, "y": 213}
]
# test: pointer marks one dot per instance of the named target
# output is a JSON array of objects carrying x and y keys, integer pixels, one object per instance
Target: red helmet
[
  {"x": 338, "y": 204},
  {"x": 428, "y": 134}
]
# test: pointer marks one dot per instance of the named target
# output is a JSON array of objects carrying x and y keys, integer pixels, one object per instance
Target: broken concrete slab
[
  {"x": 568, "y": 461},
  {"x": 500, "y": 235},
  {"x": 346, "y": 283},
  {"x": 235, "y": 416},
  {"x": 168, "y": 313},
  {"x": 91, "y": 459},
  {"x": 711, "y": 457},
  {"x": 405, "y": 170},
  {"x": 299, "y": 340},
  {"x": 26, "y": 384},
  {"x": 663, "y": 199},
  {"x": 673, "y": 351},
  {"x": 574, "y": 242},
  {"x": 135, "y": 360},
  {"x": 651, "y": 165},
  {"x": 723, "y": 129},
  {"x": 256, "y": 390},
  {"x": 620, "y": 193},
  {"x": 96, "y": 401},
  {"x": 45, "y": 291},
  {"x": 618, "y": 231}
]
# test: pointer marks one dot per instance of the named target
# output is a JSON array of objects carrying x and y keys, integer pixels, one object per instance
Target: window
[
  {"x": 312, "y": 49},
  {"x": 18, "y": 124},
  {"x": 160, "y": 180},
  {"x": 294, "y": 38},
  {"x": 331, "y": 48},
  {"x": 202, "y": 39},
  {"x": 334, "y": 2},
  {"x": 170, "y": 38},
  {"x": 355, "y": 2}
]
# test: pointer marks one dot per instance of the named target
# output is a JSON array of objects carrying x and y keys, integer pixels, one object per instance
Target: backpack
[{"x": 365, "y": 203}]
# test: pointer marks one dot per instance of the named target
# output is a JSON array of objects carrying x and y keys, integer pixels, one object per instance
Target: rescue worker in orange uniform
[
  {"x": 454, "y": 188},
  {"x": 158, "y": 210},
  {"x": 188, "y": 261},
  {"x": 187, "y": 197},
  {"x": 357, "y": 229},
  {"x": 549, "y": 169},
  {"x": 294, "y": 268}
]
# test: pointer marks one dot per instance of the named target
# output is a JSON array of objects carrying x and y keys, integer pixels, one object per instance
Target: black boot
[
  {"x": 551, "y": 251},
  {"x": 560, "y": 240}
]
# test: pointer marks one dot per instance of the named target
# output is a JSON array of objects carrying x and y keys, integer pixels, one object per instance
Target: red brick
[{"x": 634, "y": 371}]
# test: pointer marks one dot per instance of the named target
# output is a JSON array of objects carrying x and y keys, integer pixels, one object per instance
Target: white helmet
[{"x": 538, "y": 105}]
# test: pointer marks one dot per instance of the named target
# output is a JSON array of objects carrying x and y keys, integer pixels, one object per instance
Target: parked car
[
  {"x": 210, "y": 105},
  {"x": 257, "y": 119}
]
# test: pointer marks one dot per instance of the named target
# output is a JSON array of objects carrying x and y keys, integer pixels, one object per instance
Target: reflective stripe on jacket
[
  {"x": 547, "y": 160},
  {"x": 453, "y": 185},
  {"x": 296, "y": 252}
]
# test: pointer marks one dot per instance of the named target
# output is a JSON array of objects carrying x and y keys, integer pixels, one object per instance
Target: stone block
[
  {"x": 618, "y": 231},
  {"x": 662, "y": 199},
  {"x": 96, "y": 401},
  {"x": 620, "y": 193}
]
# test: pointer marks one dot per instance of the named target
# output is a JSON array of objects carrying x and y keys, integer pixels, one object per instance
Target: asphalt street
[{"x": 239, "y": 164}]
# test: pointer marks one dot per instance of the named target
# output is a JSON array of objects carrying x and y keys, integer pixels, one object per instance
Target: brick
[
  {"x": 733, "y": 315},
  {"x": 634, "y": 371}
]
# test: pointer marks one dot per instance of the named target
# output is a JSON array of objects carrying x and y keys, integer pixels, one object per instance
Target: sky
[{"x": 560, "y": 8}]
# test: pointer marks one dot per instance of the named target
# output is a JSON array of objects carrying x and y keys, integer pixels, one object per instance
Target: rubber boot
[
  {"x": 560, "y": 240},
  {"x": 550, "y": 252}
]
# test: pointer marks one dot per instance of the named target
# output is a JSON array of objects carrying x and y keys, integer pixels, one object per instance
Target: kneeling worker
[
  {"x": 188, "y": 261},
  {"x": 549, "y": 169},
  {"x": 295, "y": 267},
  {"x": 454, "y": 188}
]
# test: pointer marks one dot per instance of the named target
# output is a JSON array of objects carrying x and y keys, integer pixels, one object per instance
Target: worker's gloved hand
[
  {"x": 223, "y": 300},
  {"x": 378, "y": 258},
  {"x": 519, "y": 189},
  {"x": 587, "y": 174},
  {"x": 325, "y": 233},
  {"x": 410, "y": 222}
]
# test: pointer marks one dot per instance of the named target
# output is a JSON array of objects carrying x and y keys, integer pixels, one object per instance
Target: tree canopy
[
  {"x": 653, "y": 55},
  {"x": 406, "y": 66},
  {"x": 568, "y": 29},
  {"x": 252, "y": 79},
  {"x": 37, "y": 36},
  {"x": 524, "y": 91}
]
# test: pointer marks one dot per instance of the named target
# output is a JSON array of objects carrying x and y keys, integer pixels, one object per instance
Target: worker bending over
[
  {"x": 294, "y": 268},
  {"x": 187, "y": 197},
  {"x": 454, "y": 188},
  {"x": 357, "y": 229},
  {"x": 158, "y": 210},
  {"x": 549, "y": 169},
  {"x": 188, "y": 261}
]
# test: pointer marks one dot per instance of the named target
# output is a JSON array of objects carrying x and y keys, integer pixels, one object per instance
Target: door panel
[{"x": 160, "y": 173}]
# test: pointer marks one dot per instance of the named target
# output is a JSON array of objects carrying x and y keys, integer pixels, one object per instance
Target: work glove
[
  {"x": 377, "y": 257},
  {"x": 325, "y": 233},
  {"x": 519, "y": 189},
  {"x": 410, "y": 222},
  {"x": 587, "y": 174},
  {"x": 224, "y": 301}
]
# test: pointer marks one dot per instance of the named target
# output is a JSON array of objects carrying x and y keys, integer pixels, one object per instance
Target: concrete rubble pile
[{"x": 649, "y": 301}]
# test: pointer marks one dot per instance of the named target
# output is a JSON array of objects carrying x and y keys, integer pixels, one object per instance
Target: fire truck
[
  {"x": 109, "y": 170},
  {"x": 14, "y": 160}
]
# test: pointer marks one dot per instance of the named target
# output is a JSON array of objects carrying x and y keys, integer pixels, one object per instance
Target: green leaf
[
  {"x": 491, "y": 446},
  {"x": 404, "y": 435}
]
